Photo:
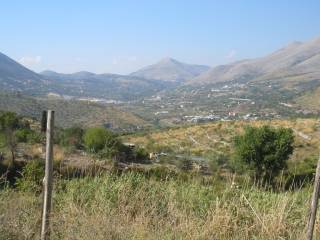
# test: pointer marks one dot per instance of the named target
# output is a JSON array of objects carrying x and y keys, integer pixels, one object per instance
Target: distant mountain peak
[
  {"x": 169, "y": 69},
  {"x": 168, "y": 60}
]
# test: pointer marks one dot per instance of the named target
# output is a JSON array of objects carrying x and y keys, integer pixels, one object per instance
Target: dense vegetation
[{"x": 264, "y": 150}]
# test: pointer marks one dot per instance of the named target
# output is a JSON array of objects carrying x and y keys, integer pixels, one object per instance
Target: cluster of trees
[{"x": 102, "y": 142}]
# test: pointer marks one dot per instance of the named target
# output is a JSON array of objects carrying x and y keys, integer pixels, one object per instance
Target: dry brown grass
[
  {"x": 217, "y": 136},
  {"x": 133, "y": 207},
  {"x": 310, "y": 101}
]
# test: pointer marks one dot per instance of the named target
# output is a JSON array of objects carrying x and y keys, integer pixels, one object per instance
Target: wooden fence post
[
  {"x": 314, "y": 203},
  {"x": 47, "y": 188}
]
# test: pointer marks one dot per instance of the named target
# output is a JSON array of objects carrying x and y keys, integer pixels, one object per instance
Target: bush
[
  {"x": 140, "y": 155},
  {"x": 9, "y": 120},
  {"x": 264, "y": 150},
  {"x": 32, "y": 176},
  {"x": 95, "y": 139},
  {"x": 72, "y": 137}
]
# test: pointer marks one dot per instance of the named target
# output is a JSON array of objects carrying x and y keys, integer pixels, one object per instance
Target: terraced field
[{"x": 216, "y": 137}]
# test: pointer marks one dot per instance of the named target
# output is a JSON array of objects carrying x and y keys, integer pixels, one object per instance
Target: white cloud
[
  {"x": 232, "y": 53},
  {"x": 30, "y": 60}
]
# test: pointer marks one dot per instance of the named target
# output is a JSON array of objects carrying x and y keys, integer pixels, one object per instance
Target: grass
[
  {"x": 149, "y": 205},
  {"x": 132, "y": 206}
]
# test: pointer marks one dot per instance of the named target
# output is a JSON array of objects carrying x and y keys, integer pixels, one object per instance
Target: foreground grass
[{"x": 132, "y": 206}]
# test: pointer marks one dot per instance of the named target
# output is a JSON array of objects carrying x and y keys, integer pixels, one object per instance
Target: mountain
[
  {"x": 14, "y": 76},
  {"x": 107, "y": 86},
  {"x": 169, "y": 69},
  {"x": 297, "y": 58}
]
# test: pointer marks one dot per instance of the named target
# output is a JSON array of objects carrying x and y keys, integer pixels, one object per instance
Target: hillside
[
  {"x": 310, "y": 100},
  {"x": 208, "y": 140},
  {"x": 169, "y": 69},
  {"x": 14, "y": 76},
  {"x": 296, "y": 58},
  {"x": 72, "y": 112},
  {"x": 106, "y": 86}
]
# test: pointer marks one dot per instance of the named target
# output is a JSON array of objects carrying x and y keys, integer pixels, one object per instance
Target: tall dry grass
[{"x": 132, "y": 206}]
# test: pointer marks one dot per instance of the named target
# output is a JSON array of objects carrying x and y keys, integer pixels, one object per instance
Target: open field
[{"x": 132, "y": 206}]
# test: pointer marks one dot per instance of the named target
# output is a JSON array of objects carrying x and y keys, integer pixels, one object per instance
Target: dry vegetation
[
  {"x": 185, "y": 205},
  {"x": 135, "y": 207},
  {"x": 217, "y": 137},
  {"x": 70, "y": 113},
  {"x": 310, "y": 100}
]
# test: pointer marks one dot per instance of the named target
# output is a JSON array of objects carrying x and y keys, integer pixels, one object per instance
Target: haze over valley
[{"x": 170, "y": 92}]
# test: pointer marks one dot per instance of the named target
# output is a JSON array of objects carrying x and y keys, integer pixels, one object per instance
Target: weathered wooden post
[
  {"x": 47, "y": 182},
  {"x": 314, "y": 203}
]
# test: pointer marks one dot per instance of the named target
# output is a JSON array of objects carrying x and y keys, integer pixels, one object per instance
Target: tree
[
  {"x": 265, "y": 150},
  {"x": 9, "y": 122},
  {"x": 96, "y": 139},
  {"x": 72, "y": 137}
]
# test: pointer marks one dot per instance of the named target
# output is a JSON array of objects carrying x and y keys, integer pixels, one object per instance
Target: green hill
[{"x": 72, "y": 112}]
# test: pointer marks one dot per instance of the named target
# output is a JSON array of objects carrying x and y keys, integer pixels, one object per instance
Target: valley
[{"x": 282, "y": 84}]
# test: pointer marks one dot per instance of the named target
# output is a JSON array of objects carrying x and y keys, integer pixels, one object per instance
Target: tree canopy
[{"x": 265, "y": 150}]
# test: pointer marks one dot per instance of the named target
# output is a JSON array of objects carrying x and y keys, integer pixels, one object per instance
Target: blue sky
[{"x": 121, "y": 36}]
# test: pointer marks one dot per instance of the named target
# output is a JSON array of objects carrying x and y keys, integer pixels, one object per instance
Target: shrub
[
  {"x": 140, "y": 154},
  {"x": 72, "y": 137},
  {"x": 9, "y": 120},
  {"x": 95, "y": 139},
  {"x": 264, "y": 150},
  {"x": 32, "y": 175}
]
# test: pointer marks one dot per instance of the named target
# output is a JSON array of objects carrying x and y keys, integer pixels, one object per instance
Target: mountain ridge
[
  {"x": 292, "y": 58},
  {"x": 169, "y": 69}
]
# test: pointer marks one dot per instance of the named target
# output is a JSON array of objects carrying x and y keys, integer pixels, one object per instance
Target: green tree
[
  {"x": 9, "y": 122},
  {"x": 96, "y": 139},
  {"x": 264, "y": 150}
]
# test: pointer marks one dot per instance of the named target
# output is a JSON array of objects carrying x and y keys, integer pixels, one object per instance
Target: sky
[{"x": 118, "y": 36}]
